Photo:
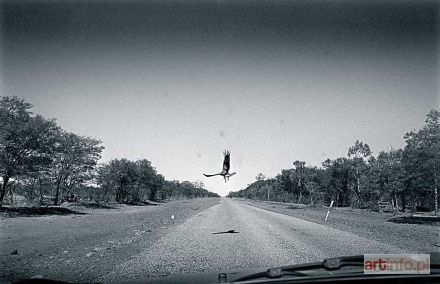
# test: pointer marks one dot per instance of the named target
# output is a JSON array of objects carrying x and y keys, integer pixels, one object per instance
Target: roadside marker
[{"x": 331, "y": 204}]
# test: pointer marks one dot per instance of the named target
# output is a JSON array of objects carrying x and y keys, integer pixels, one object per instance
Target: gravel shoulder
[
  {"x": 417, "y": 238},
  {"x": 83, "y": 247}
]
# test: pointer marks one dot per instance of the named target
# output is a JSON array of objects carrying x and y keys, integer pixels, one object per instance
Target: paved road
[{"x": 262, "y": 239}]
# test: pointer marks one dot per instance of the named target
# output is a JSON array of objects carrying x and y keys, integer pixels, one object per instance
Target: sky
[{"x": 178, "y": 82}]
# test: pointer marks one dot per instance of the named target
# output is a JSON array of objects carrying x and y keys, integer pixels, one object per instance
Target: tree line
[
  {"x": 134, "y": 181},
  {"x": 406, "y": 178},
  {"x": 41, "y": 161}
]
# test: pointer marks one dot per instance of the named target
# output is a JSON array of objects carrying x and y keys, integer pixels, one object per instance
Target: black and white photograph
[{"x": 219, "y": 141}]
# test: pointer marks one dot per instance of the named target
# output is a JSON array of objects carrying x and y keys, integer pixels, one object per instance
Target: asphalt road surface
[
  {"x": 234, "y": 236},
  {"x": 205, "y": 235}
]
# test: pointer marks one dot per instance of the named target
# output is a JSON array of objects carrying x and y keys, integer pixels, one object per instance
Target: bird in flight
[{"x": 226, "y": 164}]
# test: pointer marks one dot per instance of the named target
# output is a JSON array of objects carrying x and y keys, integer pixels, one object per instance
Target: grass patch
[
  {"x": 37, "y": 211},
  {"x": 141, "y": 203},
  {"x": 93, "y": 205},
  {"x": 294, "y": 207},
  {"x": 434, "y": 221}
]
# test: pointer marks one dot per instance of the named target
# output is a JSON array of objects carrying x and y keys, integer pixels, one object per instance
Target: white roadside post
[{"x": 331, "y": 204}]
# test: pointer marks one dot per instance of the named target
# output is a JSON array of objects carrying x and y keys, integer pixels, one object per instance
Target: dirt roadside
[
  {"x": 81, "y": 247},
  {"x": 419, "y": 238}
]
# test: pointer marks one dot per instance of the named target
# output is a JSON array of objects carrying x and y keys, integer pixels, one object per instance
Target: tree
[
  {"x": 146, "y": 175},
  {"x": 411, "y": 174},
  {"x": 285, "y": 184},
  {"x": 422, "y": 156},
  {"x": 299, "y": 175},
  {"x": 170, "y": 189},
  {"x": 26, "y": 141},
  {"x": 119, "y": 176},
  {"x": 74, "y": 160},
  {"x": 133, "y": 181},
  {"x": 386, "y": 176},
  {"x": 156, "y": 184},
  {"x": 260, "y": 177},
  {"x": 339, "y": 180},
  {"x": 359, "y": 154}
]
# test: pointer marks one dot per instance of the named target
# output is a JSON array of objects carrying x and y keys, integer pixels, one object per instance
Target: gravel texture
[
  {"x": 83, "y": 247},
  {"x": 383, "y": 227}
]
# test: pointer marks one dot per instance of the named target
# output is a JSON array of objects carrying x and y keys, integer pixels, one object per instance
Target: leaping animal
[{"x": 226, "y": 165}]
